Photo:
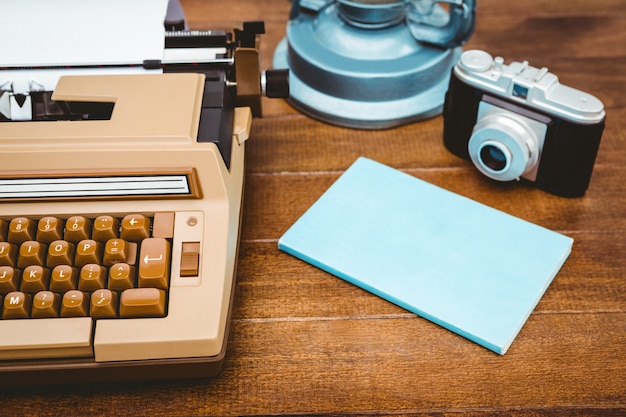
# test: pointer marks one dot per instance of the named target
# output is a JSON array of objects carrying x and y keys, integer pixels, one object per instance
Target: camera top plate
[{"x": 535, "y": 87}]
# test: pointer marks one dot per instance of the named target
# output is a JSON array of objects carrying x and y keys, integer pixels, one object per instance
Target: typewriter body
[{"x": 120, "y": 206}]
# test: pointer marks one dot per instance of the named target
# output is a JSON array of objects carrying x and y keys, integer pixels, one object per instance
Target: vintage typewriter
[{"x": 120, "y": 204}]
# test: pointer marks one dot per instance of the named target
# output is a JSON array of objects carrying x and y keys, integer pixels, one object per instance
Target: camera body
[{"x": 517, "y": 122}]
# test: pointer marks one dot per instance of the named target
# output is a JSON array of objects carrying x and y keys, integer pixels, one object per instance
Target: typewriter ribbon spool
[{"x": 372, "y": 64}]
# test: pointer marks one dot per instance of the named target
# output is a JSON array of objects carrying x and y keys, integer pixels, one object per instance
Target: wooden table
[{"x": 305, "y": 342}]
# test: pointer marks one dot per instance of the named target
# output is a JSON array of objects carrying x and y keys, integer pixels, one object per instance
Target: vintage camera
[{"x": 517, "y": 122}]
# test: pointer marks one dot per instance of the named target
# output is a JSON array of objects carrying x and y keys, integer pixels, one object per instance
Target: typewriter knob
[{"x": 275, "y": 83}]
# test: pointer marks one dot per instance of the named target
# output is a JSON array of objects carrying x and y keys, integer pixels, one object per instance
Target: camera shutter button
[
  {"x": 498, "y": 63},
  {"x": 476, "y": 61}
]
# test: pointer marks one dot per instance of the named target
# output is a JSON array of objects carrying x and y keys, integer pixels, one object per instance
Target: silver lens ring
[{"x": 502, "y": 147}]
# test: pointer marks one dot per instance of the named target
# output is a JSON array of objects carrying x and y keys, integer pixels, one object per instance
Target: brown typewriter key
[
  {"x": 121, "y": 277},
  {"x": 45, "y": 304},
  {"x": 154, "y": 263},
  {"x": 88, "y": 252},
  {"x": 60, "y": 252},
  {"x": 142, "y": 302},
  {"x": 49, "y": 229},
  {"x": 163, "y": 225},
  {"x": 4, "y": 227},
  {"x": 105, "y": 228},
  {"x": 9, "y": 279},
  {"x": 63, "y": 278},
  {"x": 8, "y": 254},
  {"x": 35, "y": 278},
  {"x": 103, "y": 304},
  {"x": 16, "y": 305},
  {"x": 135, "y": 227},
  {"x": 31, "y": 253},
  {"x": 115, "y": 250},
  {"x": 75, "y": 304},
  {"x": 21, "y": 229},
  {"x": 77, "y": 228},
  {"x": 92, "y": 277}
]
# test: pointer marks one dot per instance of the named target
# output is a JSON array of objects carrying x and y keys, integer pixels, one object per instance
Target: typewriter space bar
[{"x": 46, "y": 338}]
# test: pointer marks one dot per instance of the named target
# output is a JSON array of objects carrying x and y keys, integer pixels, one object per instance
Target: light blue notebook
[{"x": 468, "y": 267}]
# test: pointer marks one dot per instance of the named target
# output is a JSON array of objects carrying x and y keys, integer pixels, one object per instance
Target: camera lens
[
  {"x": 503, "y": 145},
  {"x": 493, "y": 157}
]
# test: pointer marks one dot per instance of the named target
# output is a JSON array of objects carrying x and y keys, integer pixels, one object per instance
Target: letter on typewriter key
[
  {"x": 8, "y": 254},
  {"x": 35, "y": 278},
  {"x": 63, "y": 278},
  {"x": 88, "y": 252},
  {"x": 16, "y": 305},
  {"x": 60, "y": 252},
  {"x": 31, "y": 253},
  {"x": 9, "y": 279}
]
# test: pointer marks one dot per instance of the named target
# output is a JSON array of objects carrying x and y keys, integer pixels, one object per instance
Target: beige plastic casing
[{"x": 153, "y": 128}]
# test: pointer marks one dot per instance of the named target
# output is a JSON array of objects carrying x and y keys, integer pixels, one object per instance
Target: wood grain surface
[{"x": 303, "y": 342}]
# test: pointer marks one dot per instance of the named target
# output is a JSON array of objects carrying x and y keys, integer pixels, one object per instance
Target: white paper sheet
[{"x": 81, "y": 32}]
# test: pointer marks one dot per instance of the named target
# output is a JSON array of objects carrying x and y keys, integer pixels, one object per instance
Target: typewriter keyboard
[{"x": 79, "y": 266}]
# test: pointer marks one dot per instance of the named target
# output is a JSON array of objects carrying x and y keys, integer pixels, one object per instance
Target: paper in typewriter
[
  {"x": 468, "y": 267},
  {"x": 39, "y": 33}
]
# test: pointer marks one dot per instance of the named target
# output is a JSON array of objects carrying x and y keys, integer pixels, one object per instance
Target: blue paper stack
[{"x": 468, "y": 267}]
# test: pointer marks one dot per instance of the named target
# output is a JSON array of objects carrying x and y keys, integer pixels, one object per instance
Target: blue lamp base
[{"x": 362, "y": 77}]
